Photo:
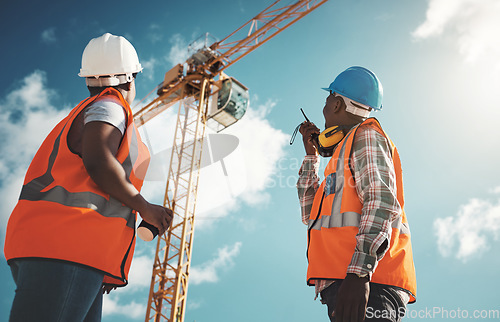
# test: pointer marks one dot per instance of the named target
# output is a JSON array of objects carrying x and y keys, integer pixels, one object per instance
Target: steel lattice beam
[{"x": 168, "y": 291}]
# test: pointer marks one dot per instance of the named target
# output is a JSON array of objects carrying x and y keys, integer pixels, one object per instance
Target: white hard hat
[{"x": 110, "y": 56}]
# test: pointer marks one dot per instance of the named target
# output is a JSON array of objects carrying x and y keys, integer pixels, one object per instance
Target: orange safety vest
[
  {"x": 335, "y": 218},
  {"x": 63, "y": 215}
]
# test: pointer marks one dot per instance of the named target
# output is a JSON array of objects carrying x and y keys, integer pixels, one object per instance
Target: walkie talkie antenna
[
  {"x": 298, "y": 126},
  {"x": 304, "y": 114}
]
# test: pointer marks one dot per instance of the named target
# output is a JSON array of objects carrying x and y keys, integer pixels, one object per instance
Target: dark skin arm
[
  {"x": 352, "y": 299},
  {"x": 353, "y": 295},
  {"x": 99, "y": 146}
]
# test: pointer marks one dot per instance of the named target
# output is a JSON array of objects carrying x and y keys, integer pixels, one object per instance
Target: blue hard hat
[{"x": 360, "y": 85}]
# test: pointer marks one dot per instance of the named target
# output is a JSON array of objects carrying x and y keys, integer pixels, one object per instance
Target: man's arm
[
  {"x": 376, "y": 186},
  {"x": 99, "y": 146},
  {"x": 307, "y": 185}
]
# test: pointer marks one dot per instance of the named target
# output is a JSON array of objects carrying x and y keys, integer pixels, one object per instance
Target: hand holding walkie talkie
[
  {"x": 315, "y": 140},
  {"x": 156, "y": 220},
  {"x": 310, "y": 133}
]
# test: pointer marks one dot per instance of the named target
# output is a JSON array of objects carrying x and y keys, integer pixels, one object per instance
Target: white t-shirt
[{"x": 108, "y": 111}]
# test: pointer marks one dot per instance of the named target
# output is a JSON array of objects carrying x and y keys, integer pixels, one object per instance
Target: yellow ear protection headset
[
  {"x": 326, "y": 141},
  {"x": 329, "y": 138}
]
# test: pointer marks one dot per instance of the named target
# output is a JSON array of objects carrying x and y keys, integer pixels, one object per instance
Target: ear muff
[
  {"x": 330, "y": 137},
  {"x": 328, "y": 140}
]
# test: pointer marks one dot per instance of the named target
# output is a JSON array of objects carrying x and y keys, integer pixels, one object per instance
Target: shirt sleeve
[
  {"x": 376, "y": 187},
  {"x": 308, "y": 184},
  {"x": 106, "y": 111}
]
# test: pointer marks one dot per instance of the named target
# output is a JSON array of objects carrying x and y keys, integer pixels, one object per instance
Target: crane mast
[{"x": 191, "y": 90}]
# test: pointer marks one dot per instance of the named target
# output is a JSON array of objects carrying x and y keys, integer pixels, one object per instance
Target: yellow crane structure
[{"x": 205, "y": 96}]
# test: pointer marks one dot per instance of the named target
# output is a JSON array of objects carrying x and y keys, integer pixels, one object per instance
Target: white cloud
[
  {"x": 149, "y": 68},
  {"x": 27, "y": 117},
  {"x": 193, "y": 305},
  {"x": 140, "y": 271},
  {"x": 209, "y": 271},
  {"x": 178, "y": 52},
  {"x": 247, "y": 172},
  {"x": 32, "y": 95},
  {"x": 49, "y": 35},
  {"x": 470, "y": 231},
  {"x": 111, "y": 306},
  {"x": 474, "y": 25},
  {"x": 155, "y": 35},
  {"x": 118, "y": 301},
  {"x": 259, "y": 138}
]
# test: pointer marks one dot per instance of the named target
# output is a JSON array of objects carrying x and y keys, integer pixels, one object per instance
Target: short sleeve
[{"x": 106, "y": 111}]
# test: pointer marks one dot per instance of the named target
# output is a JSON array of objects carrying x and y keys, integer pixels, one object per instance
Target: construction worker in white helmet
[
  {"x": 359, "y": 247},
  {"x": 71, "y": 236}
]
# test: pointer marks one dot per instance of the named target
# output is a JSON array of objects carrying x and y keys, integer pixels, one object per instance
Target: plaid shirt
[{"x": 376, "y": 187}]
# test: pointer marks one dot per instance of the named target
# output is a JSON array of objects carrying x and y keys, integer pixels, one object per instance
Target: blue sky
[{"x": 438, "y": 62}]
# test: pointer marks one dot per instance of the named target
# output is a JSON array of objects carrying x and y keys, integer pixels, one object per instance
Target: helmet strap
[
  {"x": 356, "y": 108},
  {"x": 113, "y": 80},
  {"x": 357, "y": 111}
]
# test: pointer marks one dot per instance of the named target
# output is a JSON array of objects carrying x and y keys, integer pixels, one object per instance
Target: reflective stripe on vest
[
  {"x": 34, "y": 190},
  {"x": 334, "y": 186},
  {"x": 351, "y": 219}
]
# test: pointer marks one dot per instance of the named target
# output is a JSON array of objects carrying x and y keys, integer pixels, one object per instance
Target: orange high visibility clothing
[
  {"x": 335, "y": 218},
  {"x": 63, "y": 215}
]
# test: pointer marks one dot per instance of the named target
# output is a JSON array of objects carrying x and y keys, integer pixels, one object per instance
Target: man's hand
[
  {"x": 158, "y": 216},
  {"x": 107, "y": 288},
  {"x": 352, "y": 299},
  {"x": 307, "y": 129}
]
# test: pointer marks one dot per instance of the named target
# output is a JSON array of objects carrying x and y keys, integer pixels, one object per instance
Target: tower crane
[{"x": 205, "y": 96}]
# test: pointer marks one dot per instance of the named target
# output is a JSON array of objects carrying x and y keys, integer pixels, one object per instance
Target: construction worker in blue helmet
[{"x": 359, "y": 246}]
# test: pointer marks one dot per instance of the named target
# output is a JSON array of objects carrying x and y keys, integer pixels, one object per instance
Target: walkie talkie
[
  {"x": 314, "y": 135},
  {"x": 324, "y": 144}
]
